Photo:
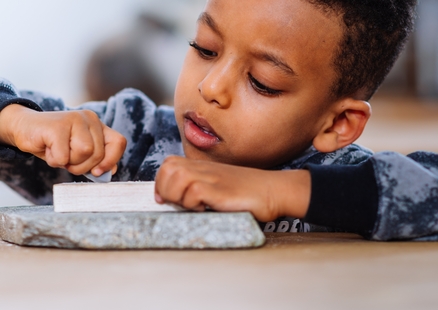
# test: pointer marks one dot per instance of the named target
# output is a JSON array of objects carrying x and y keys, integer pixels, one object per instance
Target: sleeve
[
  {"x": 129, "y": 112},
  {"x": 387, "y": 197},
  {"x": 9, "y": 95}
]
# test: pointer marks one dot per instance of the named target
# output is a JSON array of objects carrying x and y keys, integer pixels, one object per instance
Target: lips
[{"x": 199, "y": 132}]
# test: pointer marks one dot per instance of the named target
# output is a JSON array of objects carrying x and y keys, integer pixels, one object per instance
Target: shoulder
[
  {"x": 133, "y": 102},
  {"x": 395, "y": 166},
  {"x": 350, "y": 155},
  {"x": 131, "y": 106}
]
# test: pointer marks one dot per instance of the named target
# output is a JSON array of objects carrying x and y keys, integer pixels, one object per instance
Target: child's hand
[
  {"x": 75, "y": 140},
  {"x": 266, "y": 194}
]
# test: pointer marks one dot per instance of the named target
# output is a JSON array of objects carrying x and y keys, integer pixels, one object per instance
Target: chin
[{"x": 192, "y": 152}]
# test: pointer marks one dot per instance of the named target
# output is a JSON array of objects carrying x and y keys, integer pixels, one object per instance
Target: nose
[{"x": 217, "y": 85}]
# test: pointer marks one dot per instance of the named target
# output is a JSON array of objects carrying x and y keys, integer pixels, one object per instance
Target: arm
[
  {"x": 33, "y": 177},
  {"x": 387, "y": 197},
  {"x": 74, "y": 140},
  {"x": 148, "y": 131},
  {"x": 129, "y": 112},
  {"x": 400, "y": 203},
  {"x": 266, "y": 194}
]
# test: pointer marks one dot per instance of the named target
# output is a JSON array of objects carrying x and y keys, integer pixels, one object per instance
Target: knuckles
[
  {"x": 88, "y": 115},
  {"x": 193, "y": 197},
  {"x": 171, "y": 167},
  {"x": 84, "y": 117},
  {"x": 196, "y": 190},
  {"x": 121, "y": 141},
  {"x": 87, "y": 149},
  {"x": 171, "y": 160},
  {"x": 59, "y": 162}
]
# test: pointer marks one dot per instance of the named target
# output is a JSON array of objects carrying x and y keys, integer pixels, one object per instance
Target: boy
[{"x": 266, "y": 89}]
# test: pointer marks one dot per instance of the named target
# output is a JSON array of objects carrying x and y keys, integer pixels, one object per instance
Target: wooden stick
[{"x": 108, "y": 197}]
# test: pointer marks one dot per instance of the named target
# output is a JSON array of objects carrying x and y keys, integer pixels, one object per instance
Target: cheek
[
  {"x": 271, "y": 136},
  {"x": 284, "y": 133},
  {"x": 191, "y": 72},
  {"x": 183, "y": 84},
  {"x": 182, "y": 95},
  {"x": 186, "y": 86}
]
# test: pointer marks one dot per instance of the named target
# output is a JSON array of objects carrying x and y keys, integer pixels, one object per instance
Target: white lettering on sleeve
[
  {"x": 269, "y": 227},
  {"x": 283, "y": 226}
]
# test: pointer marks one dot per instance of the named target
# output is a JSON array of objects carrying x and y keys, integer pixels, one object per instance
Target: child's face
[{"x": 255, "y": 86}]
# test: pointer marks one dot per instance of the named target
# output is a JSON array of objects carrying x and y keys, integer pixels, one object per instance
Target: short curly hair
[{"x": 375, "y": 32}]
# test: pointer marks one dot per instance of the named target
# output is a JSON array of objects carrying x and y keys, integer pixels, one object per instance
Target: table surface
[{"x": 302, "y": 271}]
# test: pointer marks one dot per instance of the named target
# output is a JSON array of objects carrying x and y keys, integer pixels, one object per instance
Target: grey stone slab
[{"x": 41, "y": 226}]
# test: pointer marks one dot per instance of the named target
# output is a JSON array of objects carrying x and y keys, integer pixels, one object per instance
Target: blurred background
[{"x": 89, "y": 49}]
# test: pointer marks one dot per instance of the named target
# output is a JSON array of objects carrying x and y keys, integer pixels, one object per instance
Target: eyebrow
[
  {"x": 276, "y": 61},
  {"x": 206, "y": 18}
]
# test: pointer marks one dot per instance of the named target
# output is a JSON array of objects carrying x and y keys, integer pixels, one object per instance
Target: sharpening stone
[{"x": 41, "y": 226}]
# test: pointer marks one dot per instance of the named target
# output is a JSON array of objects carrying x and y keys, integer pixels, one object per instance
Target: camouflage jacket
[{"x": 383, "y": 196}]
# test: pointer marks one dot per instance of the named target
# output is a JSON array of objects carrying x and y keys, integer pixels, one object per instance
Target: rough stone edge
[{"x": 9, "y": 218}]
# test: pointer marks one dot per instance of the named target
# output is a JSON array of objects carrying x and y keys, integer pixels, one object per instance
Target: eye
[
  {"x": 203, "y": 53},
  {"x": 262, "y": 89}
]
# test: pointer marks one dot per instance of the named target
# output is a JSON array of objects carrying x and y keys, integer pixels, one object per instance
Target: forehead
[{"x": 293, "y": 29}]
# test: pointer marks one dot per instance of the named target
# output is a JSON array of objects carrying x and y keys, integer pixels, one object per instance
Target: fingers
[
  {"x": 75, "y": 140},
  {"x": 195, "y": 195},
  {"x": 114, "y": 147},
  {"x": 87, "y": 147},
  {"x": 87, "y": 142},
  {"x": 183, "y": 182},
  {"x": 196, "y": 184},
  {"x": 168, "y": 184},
  {"x": 84, "y": 144},
  {"x": 57, "y": 151},
  {"x": 171, "y": 182}
]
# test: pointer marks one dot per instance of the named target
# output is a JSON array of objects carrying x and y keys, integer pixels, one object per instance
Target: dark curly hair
[{"x": 375, "y": 32}]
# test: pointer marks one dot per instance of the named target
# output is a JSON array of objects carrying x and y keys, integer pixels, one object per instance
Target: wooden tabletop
[{"x": 292, "y": 271}]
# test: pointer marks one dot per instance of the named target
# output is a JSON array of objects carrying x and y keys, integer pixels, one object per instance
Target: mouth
[{"x": 199, "y": 132}]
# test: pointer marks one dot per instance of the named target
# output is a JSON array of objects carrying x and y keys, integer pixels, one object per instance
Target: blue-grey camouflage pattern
[{"x": 408, "y": 196}]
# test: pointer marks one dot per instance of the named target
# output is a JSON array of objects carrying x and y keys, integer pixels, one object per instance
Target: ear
[{"x": 344, "y": 123}]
